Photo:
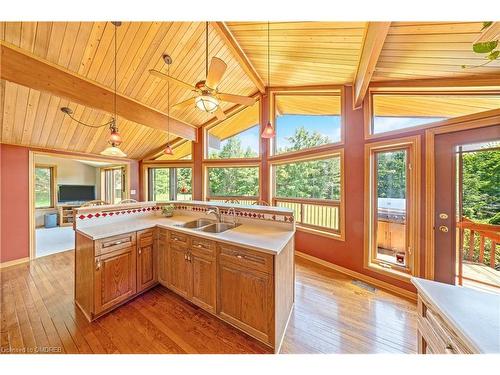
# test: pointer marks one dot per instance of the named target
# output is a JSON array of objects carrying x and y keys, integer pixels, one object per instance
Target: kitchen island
[{"x": 243, "y": 274}]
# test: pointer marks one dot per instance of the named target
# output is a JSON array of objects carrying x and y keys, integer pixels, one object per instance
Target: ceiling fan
[{"x": 207, "y": 98}]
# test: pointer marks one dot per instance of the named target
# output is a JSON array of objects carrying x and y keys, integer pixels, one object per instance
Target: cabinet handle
[
  {"x": 98, "y": 265},
  {"x": 189, "y": 257},
  {"x": 199, "y": 245},
  {"x": 185, "y": 256},
  {"x": 175, "y": 239},
  {"x": 140, "y": 251},
  {"x": 239, "y": 256}
]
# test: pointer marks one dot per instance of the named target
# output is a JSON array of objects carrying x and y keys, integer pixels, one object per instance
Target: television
[{"x": 76, "y": 193}]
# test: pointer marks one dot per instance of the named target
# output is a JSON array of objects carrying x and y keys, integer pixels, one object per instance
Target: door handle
[{"x": 443, "y": 228}]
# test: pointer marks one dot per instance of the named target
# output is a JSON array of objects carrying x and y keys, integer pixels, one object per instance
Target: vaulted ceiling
[{"x": 302, "y": 53}]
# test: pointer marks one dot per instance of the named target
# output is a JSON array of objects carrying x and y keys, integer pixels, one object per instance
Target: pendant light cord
[
  {"x": 168, "y": 105},
  {"x": 206, "y": 49},
  {"x": 114, "y": 101},
  {"x": 268, "y": 58}
]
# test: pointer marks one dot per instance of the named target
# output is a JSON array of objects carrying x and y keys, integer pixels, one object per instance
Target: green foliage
[
  {"x": 303, "y": 139},
  {"x": 391, "y": 174},
  {"x": 481, "y": 184},
  {"x": 161, "y": 182},
  {"x": 42, "y": 187},
  {"x": 234, "y": 181},
  {"x": 495, "y": 220},
  {"x": 485, "y": 47}
]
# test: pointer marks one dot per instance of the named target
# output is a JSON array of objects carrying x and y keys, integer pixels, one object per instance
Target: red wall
[
  {"x": 14, "y": 192},
  {"x": 14, "y": 208}
]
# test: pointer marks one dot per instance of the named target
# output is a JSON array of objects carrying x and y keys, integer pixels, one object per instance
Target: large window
[
  {"x": 392, "y": 221},
  {"x": 169, "y": 183},
  {"x": 230, "y": 183},
  {"x": 44, "y": 186},
  {"x": 304, "y": 121},
  {"x": 313, "y": 190},
  {"x": 393, "y": 112},
  {"x": 236, "y": 137}
]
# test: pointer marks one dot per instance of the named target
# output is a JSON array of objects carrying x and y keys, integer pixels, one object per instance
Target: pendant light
[
  {"x": 168, "y": 150},
  {"x": 268, "y": 131},
  {"x": 115, "y": 139}
]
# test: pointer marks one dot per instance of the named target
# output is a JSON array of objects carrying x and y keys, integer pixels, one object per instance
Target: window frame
[
  {"x": 322, "y": 231},
  {"x": 53, "y": 187},
  {"x": 212, "y": 124},
  {"x": 332, "y": 91},
  {"x": 152, "y": 165},
  {"x": 373, "y": 91},
  {"x": 206, "y": 166},
  {"x": 413, "y": 204}
]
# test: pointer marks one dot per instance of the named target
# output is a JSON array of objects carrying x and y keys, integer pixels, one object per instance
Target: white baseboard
[
  {"x": 367, "y": 279},
  {"x": 14, "y": 262}
]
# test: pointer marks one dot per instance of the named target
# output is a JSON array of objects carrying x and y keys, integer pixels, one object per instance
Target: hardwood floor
[{"x": 331, "y": 315}]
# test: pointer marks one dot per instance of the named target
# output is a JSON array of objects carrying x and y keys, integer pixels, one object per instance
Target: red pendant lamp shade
[{"x": 268, "y": 131}]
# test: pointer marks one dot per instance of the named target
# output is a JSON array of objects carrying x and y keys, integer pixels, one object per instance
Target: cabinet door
[
  {"x": 246, "y": 299},
  {"x": 204, "y": 276},
  {"x": 398, "y": 236},
  {"x": 115, "y": 278},
  {"x": 162, "y": 257},
  {"x": 179, "y": 274},
  {"x": 146, "y": 267}
]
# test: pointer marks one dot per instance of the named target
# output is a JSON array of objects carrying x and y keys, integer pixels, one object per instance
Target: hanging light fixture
[
  {"x": 268, "y": 131},
  {"x": 168, "y": 150},
  {"x": 115, "y": 139}
]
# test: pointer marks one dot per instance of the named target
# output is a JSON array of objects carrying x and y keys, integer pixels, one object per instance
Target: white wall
[{"x": 69, "y": 172}]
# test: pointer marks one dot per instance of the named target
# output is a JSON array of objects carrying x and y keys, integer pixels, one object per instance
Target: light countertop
[
  {"x": 474, "y": 315},
  {"x": 270, "y": 239}
]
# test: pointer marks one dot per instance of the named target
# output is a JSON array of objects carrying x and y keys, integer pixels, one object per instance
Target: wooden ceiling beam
[
  {"x": 28, "y": 70},
  {"x": 235, "y": 48},
  {"x": 374, "y": 39},
  {"x": 480, "y": 80}
]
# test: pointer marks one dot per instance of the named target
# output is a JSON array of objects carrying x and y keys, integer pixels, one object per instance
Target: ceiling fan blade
[
  {"x": 238, "y": 99},
  {"x": 215, "y": 72},
  {"x": 171, "y": 79},
  {"x": 184, "y": 104},
  {"x": 219, "y": 113}
]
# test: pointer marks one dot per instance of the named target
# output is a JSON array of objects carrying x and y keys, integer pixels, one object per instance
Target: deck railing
[
  {"x": 233, "y": 199},
  {"x": 479, "y": 242},
  {"x": 313, "y": 213}
]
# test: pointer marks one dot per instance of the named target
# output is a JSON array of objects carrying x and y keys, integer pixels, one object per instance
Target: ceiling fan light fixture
[
  {"x": 207, "y": 103},
  {"x": 268, "y": 131}
]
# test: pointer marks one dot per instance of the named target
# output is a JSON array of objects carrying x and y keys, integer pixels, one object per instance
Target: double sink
[{"x": 210, "y": 226}]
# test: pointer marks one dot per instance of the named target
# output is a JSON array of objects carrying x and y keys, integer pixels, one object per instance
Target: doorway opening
[
  {"x": 478, "y": 215},
  {"x": 59, "y": 184}
]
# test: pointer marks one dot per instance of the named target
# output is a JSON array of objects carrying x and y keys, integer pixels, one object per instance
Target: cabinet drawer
[
  {"x": 110, "y": 244},
  {"x": 178, "y": 238},
  {"x": 451, "y": 343},
  {"x": 145, "y": 237},
  {"x": 203, "y": 246},
  {"x": 162, "y": 234},
  {"x": 247, "y": 258}
]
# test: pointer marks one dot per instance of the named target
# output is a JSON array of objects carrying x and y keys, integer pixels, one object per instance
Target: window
[
  {"x": 236, "y": 137},
  {"x": 113, "y": 184},
  {"x": 313, "y": 190},
  {"x": 44, "y": 186},
  {"x": 183, "y": 150},
  {"x": 169, "y": 183},
  {"x": 392, "y": 215},
  {"x": 304, "y": 121},
  {"x": 232, "y": 182},
  {"x": 393, "y": 112}
]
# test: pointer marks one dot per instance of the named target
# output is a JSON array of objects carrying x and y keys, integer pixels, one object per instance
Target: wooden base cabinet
[{"x": 110, "y": 271}]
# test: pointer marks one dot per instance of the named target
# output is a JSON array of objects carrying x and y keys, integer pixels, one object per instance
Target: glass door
[
  {"x": 467, "y": 201},
  {"x": 114, "y": 185}
]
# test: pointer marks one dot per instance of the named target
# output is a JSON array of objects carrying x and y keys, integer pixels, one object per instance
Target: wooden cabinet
[
  {"x": 203, "y": 280},
  {"x": 115, "y": 278},
  {"x": 162, "y": 263},
  {"x": 192, "y": 269},
  {"x": 391, "y": 235},
  {"x": 246, "y": 291},
  {"x": 146, "y": 260}
]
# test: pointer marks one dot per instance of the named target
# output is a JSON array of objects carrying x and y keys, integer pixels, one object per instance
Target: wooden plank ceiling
[
  {"x": 421, "y": 50},
  {"x": 303, "y": 53},
  {"x": 86, "y": 48}
]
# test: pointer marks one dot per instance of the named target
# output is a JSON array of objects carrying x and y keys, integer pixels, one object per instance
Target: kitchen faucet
[{"x": 215, "y": 211}]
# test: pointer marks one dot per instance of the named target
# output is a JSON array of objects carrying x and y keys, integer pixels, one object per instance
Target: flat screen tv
[{"x": 76, "y": 193}]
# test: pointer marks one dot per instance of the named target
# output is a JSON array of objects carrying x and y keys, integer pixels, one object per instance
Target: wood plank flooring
[{"x": 331, "y": 315}]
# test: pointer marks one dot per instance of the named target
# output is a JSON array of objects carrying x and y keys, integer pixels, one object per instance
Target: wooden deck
[
  {"x": 480, "y": 276},
  {"x": 331, "y": 315}
]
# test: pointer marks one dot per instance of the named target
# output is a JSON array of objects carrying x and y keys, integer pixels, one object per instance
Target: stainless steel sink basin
[
  {"x": 219, "y": 227},
  {"x": 196, "y": 223}
]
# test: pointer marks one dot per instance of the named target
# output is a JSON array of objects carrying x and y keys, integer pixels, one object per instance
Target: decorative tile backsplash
[{"x": 111, "y": 213}]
